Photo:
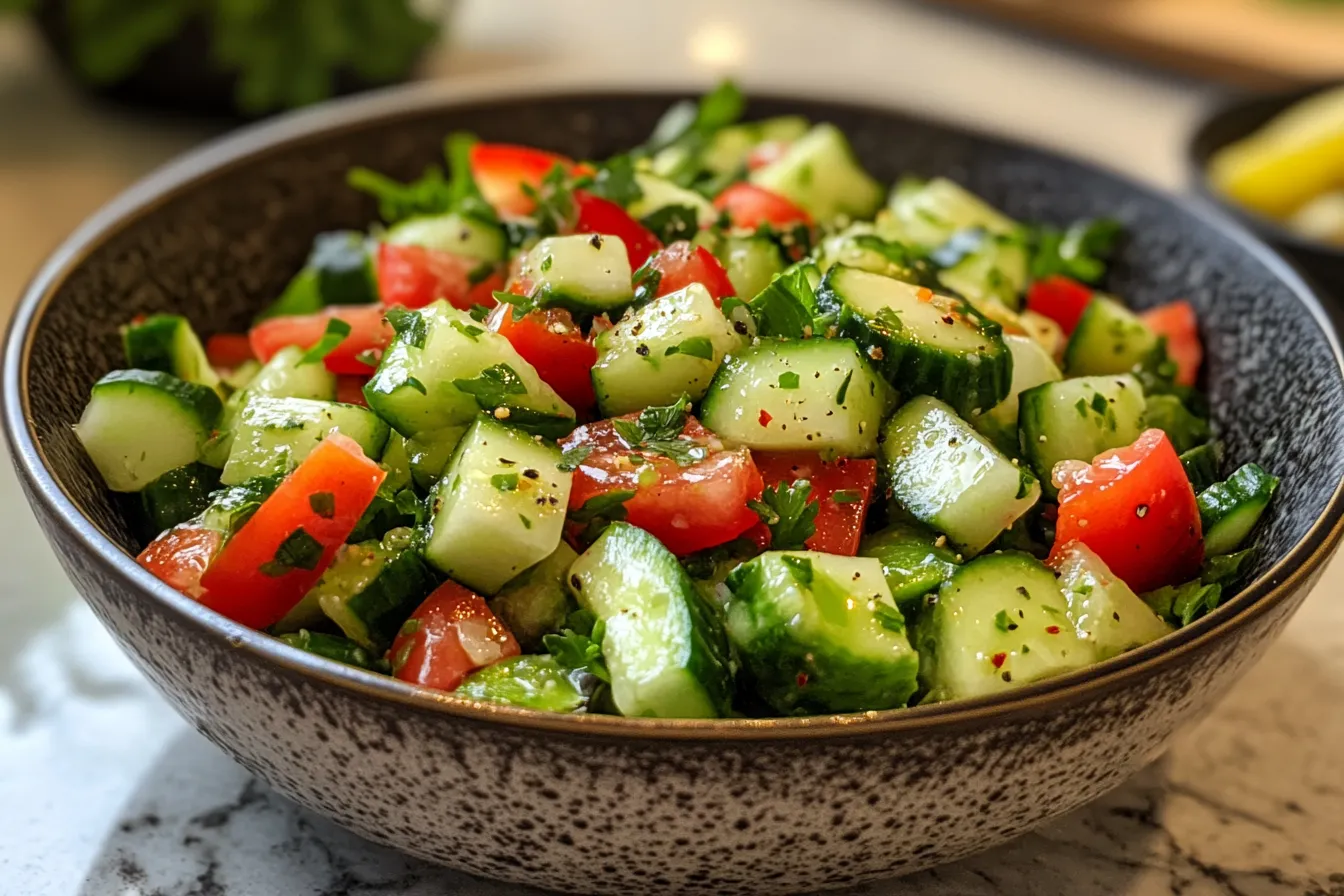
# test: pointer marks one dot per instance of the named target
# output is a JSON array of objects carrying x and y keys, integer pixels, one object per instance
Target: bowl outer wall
[{"x": 909, "y": 789}]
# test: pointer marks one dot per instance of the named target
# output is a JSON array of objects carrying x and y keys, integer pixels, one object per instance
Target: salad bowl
[{"x": 624, "y": 805}]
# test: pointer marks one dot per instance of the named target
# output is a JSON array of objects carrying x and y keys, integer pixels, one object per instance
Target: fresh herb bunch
[{"x": 284, "y": 52}]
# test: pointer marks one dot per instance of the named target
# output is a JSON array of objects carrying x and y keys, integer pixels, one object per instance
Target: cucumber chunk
[
  {"x": 950, "y": 477},
  {"x": 819, "y": 173},
  {"x": 582, "y": 272},
  {"x": 1000, "y": 622},
  {"x": 373, "y": 587},
  {"x": 1109, "y": 338},
  {"x": 658, "y": 193},
  {"x": 1032, "y": 366},
  {"x": 750, "y": 262},
  {"x": 275, "y": 434},
  {"x": 665, "y": 649},
  {"x": 332, "y": 647},
  {"x": 1078, "y": 419},
  {"x": 458, "y": 234},
  {"x": 140, "y": 424},
  {"x": 429, "y": 452},
  {"x": 920, "y": 341},
  {"x": 177, "y": 496},
  {"x": 1103, "y": 609},
  {"x": 528, "y": 682},
  {"x": 1202, "y": 465},
  {"x": 339, "y": 271},
  {"x": 1185, "y": 430},
  {"x": 1229, "y": 510},
  {"x": 499, "y": 507},
  {"x": 994, "y": 270},
  {"x": 929, "y": 213},
  {"x": 660, "y": 350},
  {"x": 803, "y": 395},
  {"x": 819, "y": 633},
  {"x": 536, "y": 602},
  {"x": 729, "y": 147},
  {"x": 167, "y": 342},
  {"x": 913, "y": 562}
]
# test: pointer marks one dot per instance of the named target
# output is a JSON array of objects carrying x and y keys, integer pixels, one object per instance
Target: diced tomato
[
  {"x": 763, "y": 154},
  {"x": 501, "y": 169},
  {"x": 1059, "y": 298},
  {"x": 311, "y": 514},
  {"x": 1135, "y": 509},
  {"x": 180, "y": 556},
  {"x": 842, "y": 490},
  {"x": 689, "y": 508},
  {"x": 602, "y": 216},
  {"x": 749, "y": 206},
  {"x": 483, "y": 293},
  {"x": 450, "y": 635},
  {"x": 550, "y": 341},
  {"x": 228, "y": 350},
  {"x": 368, "y": 333},
  {"x": 1176, "y": 321},
  {"x": 413, "y": 277},
  {"x": 684, "y": 263},
  {"x": 350, "y": 389}
]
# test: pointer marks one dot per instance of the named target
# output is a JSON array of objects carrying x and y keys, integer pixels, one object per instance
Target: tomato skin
[
  {"x": 1061, "y": 299},
  {"x": 500, "y": 170},
  {"x": 550, "y": 341},
  {"x": 749, "y": 206},
  {"x": 688, "y": 508},
  {"x": 1135, "y": 509},
  {"x": 602, "y": 216},
  {"x": 413, "y": 276},
  {"x": 228, "y": 350},
  {"x": 235, "y": 585},
  {"x": 350, "y": 389},
  {"x": 1177, "y": 321},
  {"x": 368, "y": 332},
  {"x": 839, "y": 523},
  {"x": 180, "y": 556},
  {"x": 683, "y": 263},
  {"x": 430, "y": 650}
]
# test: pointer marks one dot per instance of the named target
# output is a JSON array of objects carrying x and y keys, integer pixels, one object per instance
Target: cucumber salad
[{"x": 719, "y": 426}]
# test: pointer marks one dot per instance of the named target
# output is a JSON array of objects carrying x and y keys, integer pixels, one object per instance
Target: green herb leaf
[
  {"x": 788, "y": 380},
  {"x": 672, "y": 223},
  {"x": 527, "y": 523},
  {"x": 844, "y": 388},
  {"x": 656, "y": 423},
  {"x": 788, "y": 514},
  {"x": 430, "y": 195},
  {"x": 479, "y": 313},
  {"x": 801, "y": 567},
  {"x": 1002, "y": 622},
  {"x": 847, "y": 496},
  {"x": 615, "y": 181},
  {"x": 410, "y": 326},
  {"x": 336, "y": 332},
  {"x": 323, "y": 504},
  {"x": 1081, "y": 252},
  {"x": 609, "y": 506},
  {"x": 299, "y": 550},
  {"x": 493, "y": 386},
  {"x": 889, "y": 617},
  {"x": 572, "y": 457},
  {"x": 783, "y": 309},
  {"x": 580, "y": 652},
  {"x": 505, "y": 482},
  {"x": 467, "y": 330},
  {"x": 370, "y": 356},
  {"x": 464, "y": 196},
  {"x": 408, "y": 503},
  {"x": 696, "y": 347}
]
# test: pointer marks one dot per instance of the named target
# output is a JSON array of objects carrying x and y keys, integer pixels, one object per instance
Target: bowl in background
[{"x": 599, "y": 803}]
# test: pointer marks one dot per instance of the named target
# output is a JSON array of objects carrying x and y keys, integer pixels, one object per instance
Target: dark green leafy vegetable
[
  {"x": 1080, "y": 252},
  {"x": 335, "y": 334},
  {"x": 579, "y": 645},
  {"x": 410, "y": 326},
  {"x": 788, "y": 514},
  {"x": 615, "y": 181},
  {"x": 783, "y": 309},
  {"x": 299, "y": 550},
  {"x": 493, "y": 386},
  {"x": 672, "y": 222}
]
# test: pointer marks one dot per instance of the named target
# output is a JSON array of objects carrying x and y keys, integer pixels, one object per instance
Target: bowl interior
[{"x": 227, "y": 239}]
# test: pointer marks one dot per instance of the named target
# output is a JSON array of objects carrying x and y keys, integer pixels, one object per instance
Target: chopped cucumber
[
  {"x": 396, "y": 460},
  {"x": 665, "y": 649},
  {"x": 339, "y": 271},
  {"x": 1000, "y": 622},
  {"x": 950, "y": 477},
  {"x": 177, "y": 496},
  {"x": 819, "y": 173},
  {"x": 528, "y": 682},
  {"x": 1229, "y": 510},
  {"x": 819, "y": 633},
  {"x": 458, "y": 234},
  {"x": 913, "y": 561},
  {"x": 231, "y": 507},
  {"x": 582, "y": 272},
  {"x": 929, "y": 213},
  {"x": 860, "y": 246},
  {"x": 804, "y": 395},
  {"x": 1078, "y": 419},
  {"x": 1032, "y": 366},
  {"x": 167, "y": 342},
  {"x": 1109, "y": 338},
  {"x": 1103, "y": 609},
  {"x": 658, "y": 193},
  {"x": 1185, "y": 430},
  {"x": 536, "y": 602},
  {"x": 373, "y": 587},
  {"x": 429, "y": 452},
  {"x": 274, "y": 435},
  {"x": 920, "y": 341},
  {"x": 995, "y": 270},
  {"x": 729, "y": 147},
  {"x": 751, "y": 262},
  {"x": 140, "y": 424},
  {"x": 332, "y": 647},
  {"x": 499, "y": 507},
  {"x": 1202, "y": 465},
  {"x": 661, "y": 350}
]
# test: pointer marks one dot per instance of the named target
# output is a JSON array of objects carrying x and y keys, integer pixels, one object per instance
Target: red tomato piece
[
  {"x": 228, "y": 350},
  {"x": 413, "y": 277},
  {"x": 449, "y": 636},
  {"x": 483, "y": 293},
  {"x": 180, "y": 556},
  {"x": 550, "y": 341},
  {"x": 749, "y": 206},
  {"x": 350, "y": 389},
  {"x": 1176, "y": 321},
  {"x": 688, "y": 508},
  {"x": 684, "y": 263},
  {"x": 1135, "y": 509},
  {"x": 1059, "y": 298},
  {"x": 842, "y": 490},
  {"x": 602, "y": 216},
  {"x": 763, "y": 154},
  {"x": 324, "y": 497},
  {"x": 501, "y": 169},
  {"x": 369, "y": 332}
]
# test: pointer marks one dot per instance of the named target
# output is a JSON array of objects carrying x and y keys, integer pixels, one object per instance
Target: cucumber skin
[
  {"x": 1229, "y": 510},
  {"x": 177, "y": 496},
  {"x": 332, "y": 647},
  {"x": 912, "y": 561},
  {"x": 527, "y": 682},
  {"x": 390, "y": 599},
  {"x": 1184, "y": 429},
  {"x": 537, "y": 601},
  {"x": 1201, "y": 465}
]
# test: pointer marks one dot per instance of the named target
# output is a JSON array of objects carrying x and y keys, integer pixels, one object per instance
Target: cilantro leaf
[
  {"x": 572, "y": 457},
  {"x": 467, "y": 330},
  {"x": 554, "y": 198},
  {"x": 579, "y": 650},
  {"x": 784, "y": 308},
  {"x": 299, "y": 550},
  {"x": 672, "y": 223},
  {"x": 323, "y": 504},
  {"x": 889, "y": 617},
  {"x": 789, "y": 380},
  {"x": 335, "y": 334},
  {"x": 788, "y": 514},
  {"x": 505, "y": 482},
  {"x": 609, "y": 506},
  {"x": 656, "y": 423},
  {"x": 429, "y": 195},
  {"x": 410, "y": 326},
  {"x": 646, "y": 280},
  {"x": 492, "y": 386},
  {"x": 696, "y": 347},
  {"x": 720, "y": 107},
  {"x": 1080, "y": 252},
  {"x": 464, "y": 196},
  {"x": 615, "y": 181}
]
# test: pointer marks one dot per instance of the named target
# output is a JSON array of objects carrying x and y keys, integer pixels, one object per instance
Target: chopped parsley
[
  {"x": 788, "y": 380},
  {"x": 801, "y": 567},
  {"x": 334, "y": 335},
  {"x": 788, "y": 514},
  {"x": 410, "y": 326},
  {"x": 847, "y": 496},
  {"x": 467, "y": 330},
  {"x": 505, "y": 482},
  {"x": 572, "y": 457},
  {"x": 579, "y": 645},
  {"x": 844, "y": 388},
  {"x": 323, "y": 504},
  {"x": 492, "y": 386},
  {"x": 299, "y": 550},
  {"x": 695, "y": 346}
]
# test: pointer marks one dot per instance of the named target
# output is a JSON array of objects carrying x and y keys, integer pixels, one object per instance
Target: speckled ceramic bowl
[{"x": 635, "y": 805}]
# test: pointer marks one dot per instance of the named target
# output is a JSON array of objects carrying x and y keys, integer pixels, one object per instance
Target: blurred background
[{"x": 1189, "y": 95}]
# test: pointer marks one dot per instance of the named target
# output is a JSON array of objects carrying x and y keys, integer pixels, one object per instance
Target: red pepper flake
[
  {"x": 802, "y": 679},
  {"x": 1052, "y": 629},
  {"x": 765, "y": 418},
  {"x": 997, "y": 659}
]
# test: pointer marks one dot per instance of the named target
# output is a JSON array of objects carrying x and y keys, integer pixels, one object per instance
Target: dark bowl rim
[
  {"x": 199, "y": 166},
  {"x": 1197, "y": 157}
]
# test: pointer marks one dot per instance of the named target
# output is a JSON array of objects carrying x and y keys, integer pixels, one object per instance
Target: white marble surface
[{"x": 107, "y": 792}]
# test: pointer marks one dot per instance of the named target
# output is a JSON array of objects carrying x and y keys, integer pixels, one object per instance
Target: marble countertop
[{"x": 106, "y": 791}]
